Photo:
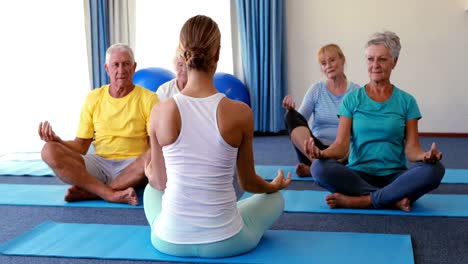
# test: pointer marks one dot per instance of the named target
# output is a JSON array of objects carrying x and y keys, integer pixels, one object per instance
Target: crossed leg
[
  {"x": 69, "y": 167},
  {"x": 352, "y": 189},
  {"x": 338, "y": 200},
  {"x": 298, "y": 136},
  {"x": 299, "y": 131}
]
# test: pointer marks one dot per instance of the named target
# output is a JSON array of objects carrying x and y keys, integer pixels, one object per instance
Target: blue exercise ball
[
  {"x": 151, "y": 78},
  {"x": 232, "y": 87}
]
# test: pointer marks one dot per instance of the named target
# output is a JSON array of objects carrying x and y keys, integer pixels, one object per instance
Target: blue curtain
[
  {"x": 263, "y": 60},
  {"x": 99, "y": 41}
]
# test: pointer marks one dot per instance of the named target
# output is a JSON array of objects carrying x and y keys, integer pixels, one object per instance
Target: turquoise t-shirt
[{"x": 378, "y": 134}]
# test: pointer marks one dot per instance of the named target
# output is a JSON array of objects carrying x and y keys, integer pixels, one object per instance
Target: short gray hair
[
  {"x": 388, "y": 39},
  {"x": 119, "y": 47}
]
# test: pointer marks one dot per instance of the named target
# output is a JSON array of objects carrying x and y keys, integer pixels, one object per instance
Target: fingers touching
[
  {"x": 280, "y": 181},
  {"x": 46, "y": 132},
  {"x": 288, "y": 103},
  {"x": 433, "y": 155},
  {"x": 311, "y": 150}
]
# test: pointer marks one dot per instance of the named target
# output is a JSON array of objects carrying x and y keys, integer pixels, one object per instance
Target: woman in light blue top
[
  {"x": 319, "y": 104},
  {"x": 379, "y": 126}
]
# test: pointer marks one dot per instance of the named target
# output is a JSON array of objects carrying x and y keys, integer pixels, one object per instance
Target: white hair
[
  {"x": 388, "y": 39},
  {"x": 119, "y": 47}
]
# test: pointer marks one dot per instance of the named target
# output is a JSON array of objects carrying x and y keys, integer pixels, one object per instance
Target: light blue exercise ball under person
[
  {"x": 232, "y": 87},
  {"x": 151, "y": 78}
]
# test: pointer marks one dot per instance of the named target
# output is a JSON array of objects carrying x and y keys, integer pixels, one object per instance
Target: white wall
[{"x": 433, "y": 63}]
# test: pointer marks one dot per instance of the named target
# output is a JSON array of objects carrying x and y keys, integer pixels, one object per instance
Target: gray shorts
[{"x": 105, "y": 170}]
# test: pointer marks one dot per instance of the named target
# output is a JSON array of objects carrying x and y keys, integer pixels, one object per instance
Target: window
[
  {"x": 45, "y": 70},
  {"x": 158, "y": 24}
]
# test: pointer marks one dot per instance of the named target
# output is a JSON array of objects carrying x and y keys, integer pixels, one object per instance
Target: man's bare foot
[
  {"x": 302, "y": 170},
  {"x": 75, "y": 194},
  {"x": 127, "y": 196},
  {"x": 338, "y": 200},
  {"x": 404, "y": 205}
]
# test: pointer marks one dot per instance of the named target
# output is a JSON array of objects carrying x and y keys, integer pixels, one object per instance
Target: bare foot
[
  {"x": 128, "y": 196},
  {"x": 404, "y": 205},
  {"x": 303, "y": 170},
  {"x": 75, "y": 194},
  {"x": 338, "y": 200}
]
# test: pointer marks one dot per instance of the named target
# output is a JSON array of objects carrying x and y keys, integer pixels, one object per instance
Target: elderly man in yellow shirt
[{"x": 116, "y": 118}]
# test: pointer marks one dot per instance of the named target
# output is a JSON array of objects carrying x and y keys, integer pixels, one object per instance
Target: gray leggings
[
  {"x": 258, "y": 212},
  {"x": 385, "y": 191}
]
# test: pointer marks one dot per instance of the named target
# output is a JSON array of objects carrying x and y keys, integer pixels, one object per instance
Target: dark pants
[
  {"x": 294, "y": 119},
  {"x": 385, "y": 191}
]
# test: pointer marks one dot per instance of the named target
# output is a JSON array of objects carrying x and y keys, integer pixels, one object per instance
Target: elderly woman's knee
[
  {"x": 432, "y": 173},
  {"x": 437, "y": 173},
  {"x": 318, "y": 169}
]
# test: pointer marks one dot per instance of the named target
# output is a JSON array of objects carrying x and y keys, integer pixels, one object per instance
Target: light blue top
[
  {"x": 378, "y": 130},
  {"x": 320, "y": 103}
]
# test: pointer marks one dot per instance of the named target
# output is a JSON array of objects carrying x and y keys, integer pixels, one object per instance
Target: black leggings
[{"x": 294, "y": 119}]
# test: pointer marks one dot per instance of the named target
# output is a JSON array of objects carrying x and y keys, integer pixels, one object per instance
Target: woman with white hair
[
  {"x": 176, "y": 85},
  {"x": 379, "y": 126}
]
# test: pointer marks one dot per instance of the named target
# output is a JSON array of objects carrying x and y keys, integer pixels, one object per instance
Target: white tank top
[{"x": 199, "y": 203}]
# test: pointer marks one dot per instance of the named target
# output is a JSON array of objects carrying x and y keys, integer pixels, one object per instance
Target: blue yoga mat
[
  {"x": 48, "y": 195},
  {"x": 448, "y": 205},
  {"x": 31, "y": 164},
  {"x": 455, "y": 176},
  {"x": 24, "y": 164},
  {"x": 269, "y": 172},
  {"x": 296, "y": 201},
  {"x": 130, "y": 242}
]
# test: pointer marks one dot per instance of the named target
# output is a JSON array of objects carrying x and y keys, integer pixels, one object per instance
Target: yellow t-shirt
[{"x": 120, "y": 126}]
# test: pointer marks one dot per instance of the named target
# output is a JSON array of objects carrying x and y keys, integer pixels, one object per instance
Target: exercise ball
[
  {"x": 151, "y": 78},
  {"x": 232, "y": 87}
]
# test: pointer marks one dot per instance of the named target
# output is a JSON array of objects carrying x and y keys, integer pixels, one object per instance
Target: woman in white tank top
[{"x": 198, "y": 138}]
